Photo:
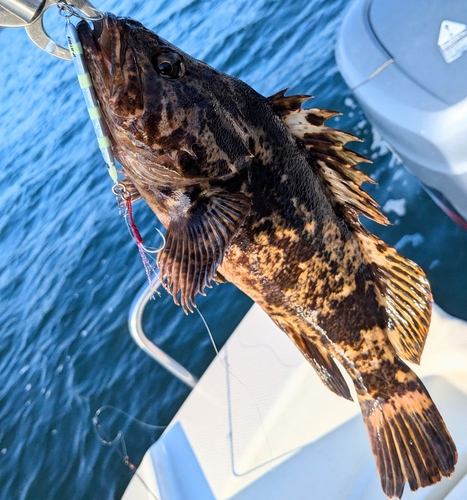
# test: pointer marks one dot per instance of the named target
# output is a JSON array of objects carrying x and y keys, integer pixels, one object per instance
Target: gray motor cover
[
  {"x": 388, "y": 53},
  {"x": 409, "y": 31}
]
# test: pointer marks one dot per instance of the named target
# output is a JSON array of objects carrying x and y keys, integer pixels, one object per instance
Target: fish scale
[{"x": 270, "y": 200}]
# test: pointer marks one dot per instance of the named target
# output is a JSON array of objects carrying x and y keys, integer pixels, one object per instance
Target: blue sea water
[{"x": 68, "y": 267}]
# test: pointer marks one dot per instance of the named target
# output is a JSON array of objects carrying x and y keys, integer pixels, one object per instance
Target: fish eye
[{"x": 168, "y": 65}]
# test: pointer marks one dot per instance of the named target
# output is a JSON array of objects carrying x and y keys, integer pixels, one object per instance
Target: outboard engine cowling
[{"x": 406, "y": 62}]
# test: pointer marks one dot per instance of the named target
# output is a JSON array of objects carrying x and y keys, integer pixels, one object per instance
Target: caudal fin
[{"x": 409, "y": 439}]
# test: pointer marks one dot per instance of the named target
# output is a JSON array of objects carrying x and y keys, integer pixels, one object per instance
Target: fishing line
[
  {"x": 123, "y": 412},
  {"x": 123, "y": 200},
  {"x": 119, "y": 438},
  {"x": 228, "y": 370},
  {"x": 209, "y": 333},
  {"x": 105, "y": 440}
]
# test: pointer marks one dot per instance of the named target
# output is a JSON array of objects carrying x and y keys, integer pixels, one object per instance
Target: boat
[
  {"x": 259, "y": 424},
  {"x": 406, "y": 64}
]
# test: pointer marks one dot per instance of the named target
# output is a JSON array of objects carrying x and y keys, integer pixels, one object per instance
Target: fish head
[{"x": 181, "y": 118}]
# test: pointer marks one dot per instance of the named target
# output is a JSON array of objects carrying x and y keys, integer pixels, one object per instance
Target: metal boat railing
[{"x": 135, "y": 319}]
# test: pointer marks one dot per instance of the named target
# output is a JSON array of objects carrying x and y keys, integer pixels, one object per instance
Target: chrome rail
[{"x": 135, "y": 319}]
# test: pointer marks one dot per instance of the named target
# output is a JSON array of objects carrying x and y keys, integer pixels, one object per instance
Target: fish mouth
[
  {"x": 109, "y": 52},
  {"x": 102, "y": 46}
]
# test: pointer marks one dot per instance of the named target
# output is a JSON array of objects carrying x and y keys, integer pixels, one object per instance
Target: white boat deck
[{"x": 261, "y": 425}]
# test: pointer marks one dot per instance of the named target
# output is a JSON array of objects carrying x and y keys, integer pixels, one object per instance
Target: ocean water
[{"x": 69, "y": 270}]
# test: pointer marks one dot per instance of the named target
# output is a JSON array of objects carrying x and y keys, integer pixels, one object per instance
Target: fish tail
[{"x": 408, "y": 437}]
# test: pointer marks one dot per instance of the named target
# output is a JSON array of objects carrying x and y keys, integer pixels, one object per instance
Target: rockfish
[{"x": 259, "y": 192}]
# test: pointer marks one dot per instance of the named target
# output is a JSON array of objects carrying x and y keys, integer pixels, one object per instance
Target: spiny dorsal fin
[
  {"x": 283, "y": 104},
  {"x": 197, "y": 237},
  {"x": 326, "y": 146},
  {"x": 403, "y": 287},
  {"x": 350, "y": 195}
]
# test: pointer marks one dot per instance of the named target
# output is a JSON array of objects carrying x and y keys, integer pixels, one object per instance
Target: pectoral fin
[{"x": 197, "y": 238}]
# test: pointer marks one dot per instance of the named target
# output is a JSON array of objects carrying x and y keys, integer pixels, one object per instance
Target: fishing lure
[
  {"x": 121, "y": 193},
  {"x": 92, "y": 104}
]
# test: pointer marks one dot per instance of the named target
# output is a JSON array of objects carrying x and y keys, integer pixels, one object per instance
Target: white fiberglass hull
[{"x": 261, "y": 425}]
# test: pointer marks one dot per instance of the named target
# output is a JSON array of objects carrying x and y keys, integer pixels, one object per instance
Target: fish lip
[
  {"x": 97, "y": 27},
  {"x": 105, "y": 48},
  {"x": 98, "y": 40},
  {"x": 107, "y": 25}
]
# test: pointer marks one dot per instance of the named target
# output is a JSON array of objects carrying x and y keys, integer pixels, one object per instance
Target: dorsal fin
[
  {"x": 406, "y": 293},
  {"x": 283, "y": 104},
  {"x": 402, "y": 285}
]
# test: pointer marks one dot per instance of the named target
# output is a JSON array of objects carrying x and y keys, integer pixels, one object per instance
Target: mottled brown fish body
[{"x": 258, "y": 191}]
